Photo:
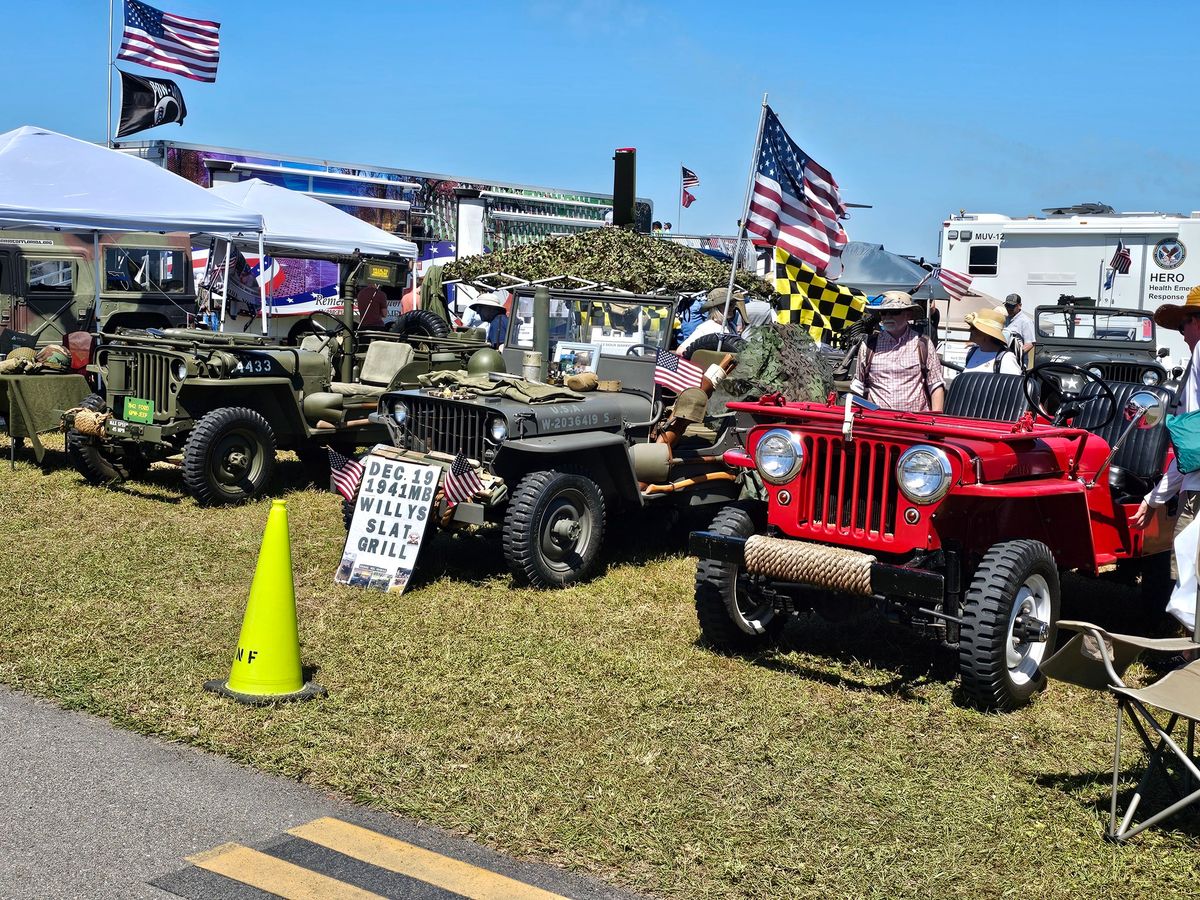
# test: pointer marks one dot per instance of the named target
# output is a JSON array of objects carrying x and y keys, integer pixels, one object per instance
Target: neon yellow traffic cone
[{"x": 266, "y": 667}]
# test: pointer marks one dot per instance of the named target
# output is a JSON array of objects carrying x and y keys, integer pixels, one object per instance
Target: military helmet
[
  {"x": 485, "y": 360},
  {"x": 54, "y": 356},
  {"x": 26, "y": 353}
]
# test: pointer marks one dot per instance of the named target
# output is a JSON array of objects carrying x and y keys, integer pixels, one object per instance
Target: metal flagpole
[
  {"x": 679, "y": 209},
  {"x": 262, "y": 284},
  {"x": 737, "y": 251},
  {"x": 224, "y": 284},
  {"x": 108, "y": 60}
]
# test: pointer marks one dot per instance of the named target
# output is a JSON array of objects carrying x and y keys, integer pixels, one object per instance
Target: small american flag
[
  {"x": 1122, "y": 260},
  {"x": 177, "y": 44},
  {"x": 462, "y": 481},
  {"x": 674, "y": 372},
  {"x": 955, "y": 283},
  {"x": 346, "y": 473},
  {"x": 689, "y": 178},
  {"x": 796, "y": 204}
]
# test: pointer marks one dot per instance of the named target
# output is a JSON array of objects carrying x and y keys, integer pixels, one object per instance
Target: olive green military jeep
[{"x": 229, "y": 401}]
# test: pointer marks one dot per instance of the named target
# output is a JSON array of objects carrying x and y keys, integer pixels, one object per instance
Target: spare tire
[
  {"x": 421, "y": 322},
  {"x": 729, "y": 341}
]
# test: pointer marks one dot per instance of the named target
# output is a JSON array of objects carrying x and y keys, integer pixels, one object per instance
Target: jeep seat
[
  {"x": 383, "y": 362},
  {"x": 986, "y": 395},
  {"x": 1139, "y": 462}
]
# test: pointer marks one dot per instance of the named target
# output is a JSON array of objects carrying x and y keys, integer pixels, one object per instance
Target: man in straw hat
[
  {"x": 1184, "y": 318},
  {"x": 989, "y": 353},
  {"x": 898, "y": 368}
]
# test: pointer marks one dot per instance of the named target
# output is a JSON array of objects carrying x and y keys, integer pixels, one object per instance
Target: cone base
[{"x": 220, "y": 686}]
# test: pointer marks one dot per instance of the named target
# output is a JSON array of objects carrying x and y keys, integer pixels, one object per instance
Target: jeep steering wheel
[
  {"x": 641, "y": 350},
  {"x": 318, "y": 320},
  {"x": 1067, "y": 390}
]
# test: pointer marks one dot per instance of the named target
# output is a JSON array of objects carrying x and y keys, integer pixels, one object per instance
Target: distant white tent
[{"x": 300, "y": 225}]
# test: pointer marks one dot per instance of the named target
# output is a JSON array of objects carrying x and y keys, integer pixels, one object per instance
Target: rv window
[
  {"x": 144, "y": 270},
  {"x": 50, "y": 275},
  {"x": 983, "y": 259}
]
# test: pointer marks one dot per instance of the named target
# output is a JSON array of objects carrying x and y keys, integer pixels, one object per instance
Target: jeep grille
[
  {"x": 851, "y": 489},
  {"x": 435, "y": 426},
  {"x": 147, "y": 377},
  {"x": 1122, "y": 371}
]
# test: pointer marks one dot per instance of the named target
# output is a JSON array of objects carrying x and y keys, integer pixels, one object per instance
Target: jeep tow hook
[{"x": 1029, "y": 629}]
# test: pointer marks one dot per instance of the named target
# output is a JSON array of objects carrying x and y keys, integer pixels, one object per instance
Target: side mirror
[
  {"x": 1163, "y": 352},
  {"x": 1177, "y": 372},
  {"x": 1148, "y": 406}
]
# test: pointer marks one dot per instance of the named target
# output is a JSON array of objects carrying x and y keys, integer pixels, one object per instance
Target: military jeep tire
[
  {"x": 1015, "y": 591},
  {"x": 735, "y": 614},
  {"x": 97, "y": 463},
  {"x": 553, "y": 528},
  {"x": 229, "y": 456}
]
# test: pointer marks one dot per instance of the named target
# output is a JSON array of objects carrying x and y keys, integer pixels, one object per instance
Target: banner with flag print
[
  {"x": 956, "y": 284},
  {"x": 675, "y": 373},
  {"x": 814, "y": 302},
  {"x": 345, "y": 474},
  {"x": 177, "y": 44},
  {"x": 462, "y": 481}
]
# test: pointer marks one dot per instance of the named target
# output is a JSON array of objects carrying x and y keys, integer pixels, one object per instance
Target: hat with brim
[
  {"x": 987, "y": 321},
  {"x": 895, "y": 301},
  {"x": 1170, "y": 315},
  {"x": 489, "y": 301},
  {"x": 716, "y": 300}
]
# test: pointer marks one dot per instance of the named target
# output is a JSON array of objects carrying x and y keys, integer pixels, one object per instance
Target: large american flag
[
  {"x": 674, "y": 372},
  {"x": 795, "y": 204},
  {"x": 690, "y": 179},
  {"x": 345, "y": 472},
  {"x": 462, "y": 481},
  {"x": 177, "y": 44},
  {"x": 955, "y": 283}
]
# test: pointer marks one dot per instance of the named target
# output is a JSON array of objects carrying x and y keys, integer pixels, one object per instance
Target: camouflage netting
[
  {"x": 779, "y": 359},
  {"x": 613, "y": 256}
]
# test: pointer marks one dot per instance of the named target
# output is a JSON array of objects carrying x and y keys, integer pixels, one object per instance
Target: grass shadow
[{"x": 1080, "y": 788}]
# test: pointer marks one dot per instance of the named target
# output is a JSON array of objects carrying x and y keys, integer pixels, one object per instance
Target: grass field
[{"x": 585, "y": 728}]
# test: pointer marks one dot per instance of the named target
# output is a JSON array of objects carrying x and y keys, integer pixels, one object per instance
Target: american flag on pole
[
  {"x": 674, "y": 372},
  {"x": 690, "y": 178},
  {"x": 177, "y": 44},
  {"x": 955, "y": 283},
  {"x": 795, "y": 203},
  {"x": 462, "y": 481},
  {"x": 346, "y": 473},
  {"x": 1122, "y": 260}
]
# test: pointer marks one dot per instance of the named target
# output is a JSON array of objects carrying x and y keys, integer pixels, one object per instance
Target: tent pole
[
  {"x": 262, "y": 284},
  {"x": 225, "y": 287},
  {"x": 108, "y": 97},
  {"x": 97, "y": 272}
]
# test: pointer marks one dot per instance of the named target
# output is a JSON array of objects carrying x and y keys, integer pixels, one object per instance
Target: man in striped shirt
[{"x": 897, "y": 367}]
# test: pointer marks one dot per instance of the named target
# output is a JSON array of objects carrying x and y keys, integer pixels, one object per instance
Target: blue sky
[{"x": 919, "y": 108}]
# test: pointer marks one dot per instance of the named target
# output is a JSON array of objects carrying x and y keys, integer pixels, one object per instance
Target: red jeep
[{"x": 957, "y": 523}]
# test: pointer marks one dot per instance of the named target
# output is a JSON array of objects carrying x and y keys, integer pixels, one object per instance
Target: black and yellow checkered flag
[{"x": 814, "y": 302}]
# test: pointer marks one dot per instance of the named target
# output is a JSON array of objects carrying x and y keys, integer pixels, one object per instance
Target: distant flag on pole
[
  {"x": 462, "y": 481},
  {"x": 688, "y": 198},
  {"x": 176, "y": 44},
  {"x": 955, "y": 283},
  {"x": 795, "y": 203},
  {"x": 675, "y": 373},
  {"x": 345, "y": 473},
  {"x": 689, "y": 178},
  {"x": 1120, "y": 264}
]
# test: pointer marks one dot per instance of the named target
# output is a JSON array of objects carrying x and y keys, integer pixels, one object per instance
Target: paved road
[{"x": 91, "y": 811}]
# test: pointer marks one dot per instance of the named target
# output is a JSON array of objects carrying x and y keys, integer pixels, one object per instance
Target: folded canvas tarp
[
  {"x": 300, "y": 225},
  {"x": 49, "y": 180}
]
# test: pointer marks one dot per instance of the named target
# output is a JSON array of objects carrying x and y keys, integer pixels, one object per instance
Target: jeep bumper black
[{"x": 808, "y": 564}]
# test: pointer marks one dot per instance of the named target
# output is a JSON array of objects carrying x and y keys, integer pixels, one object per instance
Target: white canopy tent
[{"x": 50, "y": 180}]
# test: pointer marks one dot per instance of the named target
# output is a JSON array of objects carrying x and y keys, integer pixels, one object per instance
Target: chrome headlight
[
  {"x": 498, "y": 429},
  {"x": 1150, "y": 377},
  {"x": 923, "y": 473},
  {"x": 179, "y": 369},
  {"x": 400, "y": 412},
  {"x": 779, "y": 455},
  {"x": 1096, "y": 370}
]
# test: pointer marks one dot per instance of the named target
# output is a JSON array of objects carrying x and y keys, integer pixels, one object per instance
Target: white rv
[{"x": 1068, "y": 251}]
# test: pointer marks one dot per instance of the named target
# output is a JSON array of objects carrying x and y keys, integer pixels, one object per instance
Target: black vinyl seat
[
  {"x": 986, "y": 395},
  {"x": 1139, "y": 462}
]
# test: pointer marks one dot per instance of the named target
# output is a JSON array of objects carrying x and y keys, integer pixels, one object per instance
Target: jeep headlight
[
  {"x": 179, "y": 369},
  {"x": 1097, "y": 371},
  {"x": 498, "y": 429},
  {"x": 400, "y": 412},
  {"x": 779, "y": 455},
  {"x": 1150, "y": 378},
  {"x": 923, "y": 473}
]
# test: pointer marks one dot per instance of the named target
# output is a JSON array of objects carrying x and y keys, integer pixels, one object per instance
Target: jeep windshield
[
  {"x": 1125, "y": 326},
  {"x": 612, "y": 326}
]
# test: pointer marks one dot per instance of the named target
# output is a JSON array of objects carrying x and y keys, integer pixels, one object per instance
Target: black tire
[
  {"x": 553, "y": 529},
  {"x": 735, "y": 615},
  {"x": 422, "y": 322},
  {"x": 228, "y": 457},
  {"x": 999, "y": 667},
  {"x": 730, "y": 343},
  {"x": 88, "y": 455},
  {"x": 314, "y": 460}
]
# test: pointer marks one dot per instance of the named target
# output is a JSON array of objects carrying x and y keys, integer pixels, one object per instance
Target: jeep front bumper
[{"x": 803, "y": 563}]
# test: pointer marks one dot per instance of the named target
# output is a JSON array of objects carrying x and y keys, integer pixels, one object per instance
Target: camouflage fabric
[
  {"x": 513, "y": 388},
  {"x": 54, "y": 357}
]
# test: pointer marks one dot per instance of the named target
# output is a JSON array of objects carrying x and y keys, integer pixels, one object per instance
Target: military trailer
[
  {"x": 556, "y": 464},
  {"x": 227, "y": 402},
  {"x": 48, "y": 284}
]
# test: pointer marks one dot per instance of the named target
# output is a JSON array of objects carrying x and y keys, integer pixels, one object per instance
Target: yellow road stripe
[
  {"x": 275, "y": 875},
  {"x": 417, "y": 862}
]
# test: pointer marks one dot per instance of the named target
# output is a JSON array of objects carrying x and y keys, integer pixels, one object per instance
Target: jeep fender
[
  {"x": 604, "y": 455},
  {"x": 276, "y": 402},
  {"x": 1059, "y": 519}
]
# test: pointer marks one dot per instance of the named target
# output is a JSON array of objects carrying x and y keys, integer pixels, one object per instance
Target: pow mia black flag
[{"x": 146, "y": 102}]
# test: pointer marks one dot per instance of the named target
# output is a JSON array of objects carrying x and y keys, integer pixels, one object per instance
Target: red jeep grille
[{"x": 851, "y": 489}]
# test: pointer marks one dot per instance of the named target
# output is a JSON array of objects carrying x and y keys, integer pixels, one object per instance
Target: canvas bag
[{"x": 1184, "y": 430}]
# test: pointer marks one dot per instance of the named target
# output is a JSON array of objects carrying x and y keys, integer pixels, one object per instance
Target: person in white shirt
[
  {"x": 1017, "y": 323},
  {"x": 989, "y": 353}
]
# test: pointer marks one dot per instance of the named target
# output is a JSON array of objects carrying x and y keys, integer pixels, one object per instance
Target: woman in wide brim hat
[
  {"x": 989, "y": 353},
  {"x": 1171, "y": 315}
]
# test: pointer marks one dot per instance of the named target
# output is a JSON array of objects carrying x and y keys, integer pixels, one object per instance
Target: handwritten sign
[{"x": 390, "y": 515}]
